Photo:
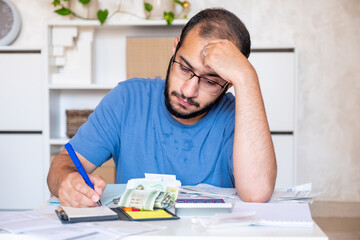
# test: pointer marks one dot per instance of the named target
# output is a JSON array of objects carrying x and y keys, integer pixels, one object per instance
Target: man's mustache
[{"x": 188, "y": 100}]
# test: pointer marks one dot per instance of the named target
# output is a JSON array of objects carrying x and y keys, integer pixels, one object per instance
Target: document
[
  {"x": 300, "y": 193},
  {"x": 260, "y": 214},
  {"x": 277, "y": 214},
  {"x": 44, "y": 223},
  {"x": 204, "y": 190}
]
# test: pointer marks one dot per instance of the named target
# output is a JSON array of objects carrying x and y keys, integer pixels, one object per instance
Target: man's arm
[
  {"x": 65, "y": 182},
  {"x": 254, "y": 159}
]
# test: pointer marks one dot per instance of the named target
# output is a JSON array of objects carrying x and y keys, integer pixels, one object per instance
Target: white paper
[
  {"x": 124, "y": 228},
  {"x": 74, "y": 231},
  {"x": 206, "y": 190},
  {"x": 73, "y": 212},
  {"x": 226, "y": 220},
  {"x": 299, "y": 193},
  {"x": 277, "y": 214},
  {"x": 44, "y": 224}
]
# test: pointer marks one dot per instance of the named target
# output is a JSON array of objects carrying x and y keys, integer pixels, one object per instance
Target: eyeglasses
[{"x": 212, "y": 85}]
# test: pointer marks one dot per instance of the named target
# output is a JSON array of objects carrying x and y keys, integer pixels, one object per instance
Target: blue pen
[{"x": 79, "y": 167}]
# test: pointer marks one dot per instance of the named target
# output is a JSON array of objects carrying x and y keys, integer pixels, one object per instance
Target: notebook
[
  {"x": 72, "y": 214},
  {"x": 104, "y": 213},
  {"x": 278, "y": 214}
]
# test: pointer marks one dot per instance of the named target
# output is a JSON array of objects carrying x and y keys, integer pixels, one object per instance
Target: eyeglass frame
[{"x": 199, "y": 77}]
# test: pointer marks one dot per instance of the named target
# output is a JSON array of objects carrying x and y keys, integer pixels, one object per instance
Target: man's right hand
[
  {"x": 73, "y": 191},
  {"x": 66, "y": 183}
]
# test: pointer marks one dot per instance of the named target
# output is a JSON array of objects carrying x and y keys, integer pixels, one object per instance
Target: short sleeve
[{"x": 98, "y": 139}]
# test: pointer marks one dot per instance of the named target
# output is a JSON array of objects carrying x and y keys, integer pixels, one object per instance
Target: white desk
[{"x": 183, "y": 228}]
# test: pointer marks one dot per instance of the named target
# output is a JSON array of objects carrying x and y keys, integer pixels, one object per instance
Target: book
[{"x": 278, "y": 214}]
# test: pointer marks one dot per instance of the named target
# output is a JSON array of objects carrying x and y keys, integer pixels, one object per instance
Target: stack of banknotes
[{"x": 153, "y": 191}]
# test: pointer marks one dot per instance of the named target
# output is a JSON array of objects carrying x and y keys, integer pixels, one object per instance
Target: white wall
[{"x": 326, "y": 34}]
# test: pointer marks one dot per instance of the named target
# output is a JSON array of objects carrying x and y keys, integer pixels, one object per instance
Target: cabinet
[
  {"x": 276, "y": 69},
  {"x": 22, "y": 172},
  {"x": 105, "y": 65}
]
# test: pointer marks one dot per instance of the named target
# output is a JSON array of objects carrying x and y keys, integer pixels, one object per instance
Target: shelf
[
  {"x": 117, "y": 23},
  {"x": 10, "y": 49},
  {"x": 58, "y": 141},
  {"x": 81, "y": 86}
]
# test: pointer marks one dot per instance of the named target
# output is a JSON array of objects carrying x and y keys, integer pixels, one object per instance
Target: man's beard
[{"x": 191, "y": 101}]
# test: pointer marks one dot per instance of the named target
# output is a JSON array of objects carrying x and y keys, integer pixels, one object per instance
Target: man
[{"x": 186, "y": 125}]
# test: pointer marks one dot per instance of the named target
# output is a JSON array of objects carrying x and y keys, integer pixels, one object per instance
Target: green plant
[
  {"x": 102, "y": 15},
  {"x": 170, "y": 16}
]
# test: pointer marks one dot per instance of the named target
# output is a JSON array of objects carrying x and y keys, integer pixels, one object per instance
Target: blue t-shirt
[{"x": 132, "y": 125}]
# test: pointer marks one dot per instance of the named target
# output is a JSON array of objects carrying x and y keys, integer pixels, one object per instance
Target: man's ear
[{"x": 176, "y": 42}]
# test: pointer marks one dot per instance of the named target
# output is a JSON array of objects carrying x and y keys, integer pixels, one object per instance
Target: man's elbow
[{"x": 259, "y": 196}]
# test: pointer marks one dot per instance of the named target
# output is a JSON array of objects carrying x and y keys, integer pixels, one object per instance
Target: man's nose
[{"x": 190, "y": 88}]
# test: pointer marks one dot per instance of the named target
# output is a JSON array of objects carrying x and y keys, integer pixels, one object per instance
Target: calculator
[{"x": 201, "y": 207}]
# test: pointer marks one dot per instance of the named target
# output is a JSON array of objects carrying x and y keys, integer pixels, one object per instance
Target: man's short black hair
[{"x": 219, "y": 23}]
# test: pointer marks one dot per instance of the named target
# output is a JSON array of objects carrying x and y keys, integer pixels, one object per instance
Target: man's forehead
[{"x": 193, "y": 38}]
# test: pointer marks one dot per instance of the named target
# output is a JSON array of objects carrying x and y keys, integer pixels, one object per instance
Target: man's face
[{"x": 183, "y": 98}]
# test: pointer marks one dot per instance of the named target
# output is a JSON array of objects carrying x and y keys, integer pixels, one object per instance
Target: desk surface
[{"x": 183, "y": 228}]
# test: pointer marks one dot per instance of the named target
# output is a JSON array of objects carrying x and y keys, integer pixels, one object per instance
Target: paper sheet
[
  {"x": 45, "y": 224},
  {"x": 278, "y": 214},
  {"x": 73, "y": 212}
]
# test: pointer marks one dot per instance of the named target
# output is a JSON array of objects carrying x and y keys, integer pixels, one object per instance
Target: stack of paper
[
  {"x": 261, "y": 214},
  {"x": 300, "y": 194},
  {"x": 277, "y": 214},
  {"x": 208, "y": 191},
  {"x": 44, "y": 223}
]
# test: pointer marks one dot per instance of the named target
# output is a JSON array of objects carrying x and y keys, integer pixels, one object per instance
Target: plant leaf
[
  {"x": 102, "y": 15},
  {"x": 148, "y": 7},
  {"x": 169, "y": 17},
  {"x": 84, "y": 1},
  {"x": 56, "y": 3},
  {"x": 63, "y": 11},
  {"x": 178, "y": 2}
]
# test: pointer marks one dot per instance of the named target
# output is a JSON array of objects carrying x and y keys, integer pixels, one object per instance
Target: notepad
[
  {"x": 278, "y": 214},
  {"x": 143, "y": 215},
  {"x": 88, "y": 214}
]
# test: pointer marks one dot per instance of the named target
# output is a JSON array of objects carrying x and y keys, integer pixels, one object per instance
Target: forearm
[
  {"x": 60, "y": 168},
  {"x": 253, "y": 154}
]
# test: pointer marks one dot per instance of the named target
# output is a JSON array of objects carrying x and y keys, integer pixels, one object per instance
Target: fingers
[
  {"x": 75, "y": 192},
  {"x": 224, "y": 58},
  {"x": 99, "y": 184}
]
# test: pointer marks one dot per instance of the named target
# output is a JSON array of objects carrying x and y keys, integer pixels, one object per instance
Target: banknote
[
  {"x": 140, "y": 199},
  {"x": 154, "y": 191},
  {"x": 143, "y": 184}
]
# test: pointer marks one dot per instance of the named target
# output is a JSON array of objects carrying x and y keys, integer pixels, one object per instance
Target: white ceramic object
[{"x": 10, "y": 22}]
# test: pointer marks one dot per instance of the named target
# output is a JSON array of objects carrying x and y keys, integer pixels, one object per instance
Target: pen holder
[{"x": 74, "y": 119}]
